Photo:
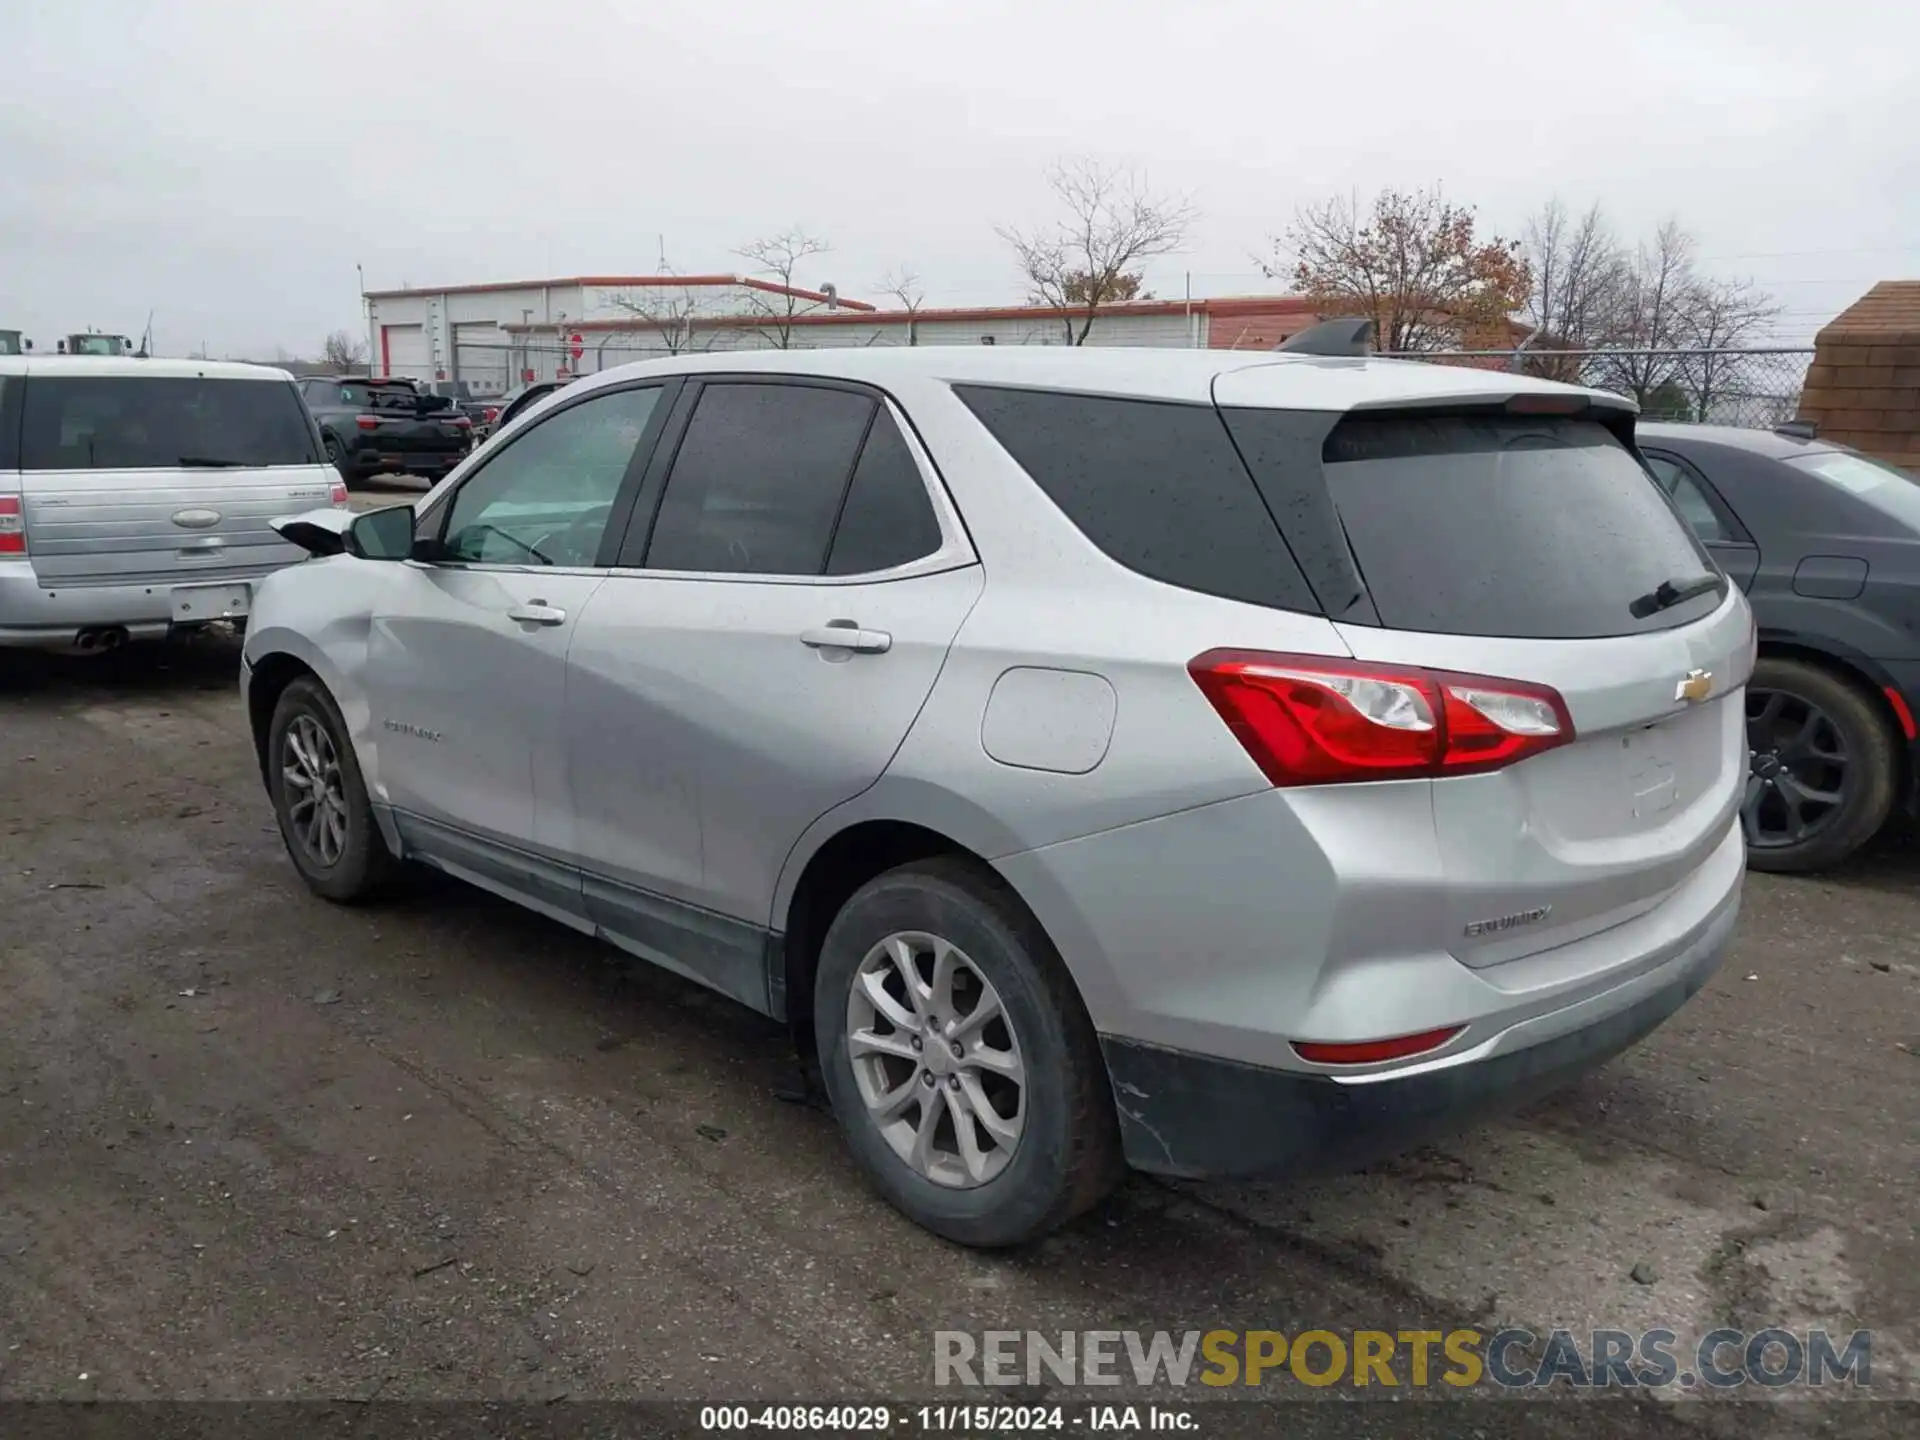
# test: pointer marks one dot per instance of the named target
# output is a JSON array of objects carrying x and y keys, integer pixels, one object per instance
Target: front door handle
[
  {"x": 537, "y": 612},
  {"x": 845, "y": 635}
]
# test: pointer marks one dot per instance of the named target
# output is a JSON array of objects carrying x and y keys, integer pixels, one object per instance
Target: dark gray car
[
  {"x": 1826, "y": 543},
  {"x": 386, "y": 425}
]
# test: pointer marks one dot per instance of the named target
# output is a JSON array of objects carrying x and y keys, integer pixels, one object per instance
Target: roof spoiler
[
  {"x": 1798, "y": 429},
  {"x": 1345, "y": 338}
]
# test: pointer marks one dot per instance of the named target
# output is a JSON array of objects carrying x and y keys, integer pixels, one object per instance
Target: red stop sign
[{"x": 575, "y": 346}]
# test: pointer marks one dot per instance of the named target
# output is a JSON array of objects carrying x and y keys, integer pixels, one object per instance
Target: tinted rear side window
[
  {"x": 759, "y": 480},
  {"x": 1531, "y": 528},
  {"x": 140, "y": 422},
  {"x": 887, "y": 519},
  {"x": 1156, "y": 486}
]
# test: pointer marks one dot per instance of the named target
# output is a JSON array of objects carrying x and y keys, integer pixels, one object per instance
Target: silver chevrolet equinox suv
[{"x": 1211, "y": 763}]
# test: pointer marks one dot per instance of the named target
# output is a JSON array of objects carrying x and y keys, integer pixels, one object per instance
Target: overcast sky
[{"x": 226, "y": 163}]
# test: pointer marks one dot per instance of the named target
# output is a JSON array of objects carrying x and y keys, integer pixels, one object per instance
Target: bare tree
[
  {"x": 1412, "y": 264},
  {"x": 1579, "y": 276},
  {"x": 343, "y": 354},
  {"x": 672, "y": 312},
  {"x": 777, "y": 258},
  {"x": 904, "y": 286},
  {"x": 1655, "y": 318},
  {"x": 1091, "y": 254},
  {"x": 1721, "y": 315}
]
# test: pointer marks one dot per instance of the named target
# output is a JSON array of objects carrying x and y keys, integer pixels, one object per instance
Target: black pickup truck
[{"x": 391, "y": 426}]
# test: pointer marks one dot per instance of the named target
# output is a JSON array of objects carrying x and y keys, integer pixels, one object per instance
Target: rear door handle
[
  {"x": 845, "y": 635},
  {"x": 537, "y": 612}
]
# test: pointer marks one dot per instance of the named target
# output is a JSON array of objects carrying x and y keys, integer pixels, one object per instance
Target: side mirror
[{"x": 382, "y": 534}]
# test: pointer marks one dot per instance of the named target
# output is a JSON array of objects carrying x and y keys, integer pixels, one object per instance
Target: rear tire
[
  {"x": 320, "y": 799},
  {"x": 1810, "y": 732},
  {"x": 337, "y": 457},
  {"x": 1065, "y": 1152}
]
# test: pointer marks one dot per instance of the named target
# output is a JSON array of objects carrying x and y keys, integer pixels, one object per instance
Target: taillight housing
[
  {"x": 13, "y": 527},
  {"x": 339, "y": 493},
  {"x": 1318, "y": 720},
  {"x": 489, "y": 415},
  {"x": 367, "y": 422},
  {"x": 460, "y": 421}
]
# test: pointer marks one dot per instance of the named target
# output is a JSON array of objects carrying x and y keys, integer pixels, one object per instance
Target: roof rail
[
  {"x": 1332, "y": 337},
  {"x": 1798, "y": 429}
]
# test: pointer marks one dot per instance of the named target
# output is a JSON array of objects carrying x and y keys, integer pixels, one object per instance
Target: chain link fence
[{"x": 1754, "y": 388}]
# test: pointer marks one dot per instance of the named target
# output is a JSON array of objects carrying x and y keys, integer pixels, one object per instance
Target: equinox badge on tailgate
[{"x": 1509, "y": 922}]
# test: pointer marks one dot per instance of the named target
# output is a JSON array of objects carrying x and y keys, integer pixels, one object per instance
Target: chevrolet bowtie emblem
[{"x": 1695, "y": 688}]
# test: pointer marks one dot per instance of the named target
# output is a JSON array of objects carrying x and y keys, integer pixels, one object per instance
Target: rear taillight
[
  {"x": 367, "y": 422},
  {"x": 339, "y": 494},
  {"x": 13, "y": 526},
  {"x": 489, "y": 415},
  {"x": 460, "y": 422},
  {"x": 1315, "y": 720}
]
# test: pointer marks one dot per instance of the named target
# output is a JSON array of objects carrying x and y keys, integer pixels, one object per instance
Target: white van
[{"x": 135, "y": 494}]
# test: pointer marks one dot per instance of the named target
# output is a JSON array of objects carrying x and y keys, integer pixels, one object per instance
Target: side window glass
[
  {"x": 1688, "y": 497},
  {"x": 545, "y": 499},
  {"x": 758, "y": 480},
  {"x": 888, "y": 519}
]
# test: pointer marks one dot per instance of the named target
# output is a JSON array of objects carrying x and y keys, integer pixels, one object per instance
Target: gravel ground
[{"x": 252, "y": 1145}]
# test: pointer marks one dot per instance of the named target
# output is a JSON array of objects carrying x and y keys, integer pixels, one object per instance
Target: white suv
[{"x": 136, "y": 494}]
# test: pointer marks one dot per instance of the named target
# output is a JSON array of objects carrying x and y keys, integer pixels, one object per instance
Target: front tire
[
  {"x": 1822, "y": 767},
  {"x": 320, "y": 799},
  {"x": 959, "y": 1058}
]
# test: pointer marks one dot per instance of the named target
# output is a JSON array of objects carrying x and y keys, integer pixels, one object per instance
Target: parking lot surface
[{"x": 252, "y": 1144}]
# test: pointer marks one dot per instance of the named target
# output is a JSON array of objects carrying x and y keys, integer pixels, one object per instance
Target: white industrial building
[{"x": 496, "y": 336}]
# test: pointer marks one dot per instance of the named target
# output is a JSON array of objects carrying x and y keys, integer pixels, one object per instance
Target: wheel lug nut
[
  {"x": 926, "y": 1077},
  {"x": 958, "y": 1053},
  {"x": 915, "y": 1042},
  {"x": 953, "y": 1082}
]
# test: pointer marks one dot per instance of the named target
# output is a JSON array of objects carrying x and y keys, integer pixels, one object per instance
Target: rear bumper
[
  {"x": 368, "y": 456},
  {"x": 1193, "y": 1115},
  {"x": 34, "y": 618}
]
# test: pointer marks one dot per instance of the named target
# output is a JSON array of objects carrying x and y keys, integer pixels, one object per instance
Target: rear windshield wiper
[
  {"x": 206, "y": 462},
  {"x": 1669, "y": 593}
]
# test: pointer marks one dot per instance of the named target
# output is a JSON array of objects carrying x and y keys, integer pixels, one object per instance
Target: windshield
[
  {"x": 96, "y": 345},
  {"x": 1891, "y": 491}
]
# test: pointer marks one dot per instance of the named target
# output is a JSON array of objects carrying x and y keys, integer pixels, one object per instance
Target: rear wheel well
[
  {"x": 1866, "y": 685},
  {"x": 1842, "y": 670},
  {"x": 271, "y": 676},
  {"x": 840, "y": 867}
]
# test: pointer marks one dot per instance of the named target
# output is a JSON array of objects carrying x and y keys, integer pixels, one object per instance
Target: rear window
[
  {"x": 1157, "y": 486},
  {"x": 1893, "y": 492},
  {"x": 1514, "y": 526},
  {"x": 162, "y": 422}
]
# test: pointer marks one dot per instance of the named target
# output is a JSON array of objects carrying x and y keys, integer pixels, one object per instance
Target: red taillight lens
[
  {"x": 339, "y": 495},
  {"x": 13, "y": 526},
  {"x": 367, "y": 422},
  {"x": 1314, "y": 720},
  {"x": 1372, "y": 1052},
  {"x": 489, "y": 415}
]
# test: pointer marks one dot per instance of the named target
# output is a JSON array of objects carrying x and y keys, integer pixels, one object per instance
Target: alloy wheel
[
  {"x": 1798, "y": 770},
  {"x": 315, "y": 796},
  {"x": 936, "y": 1060}
]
